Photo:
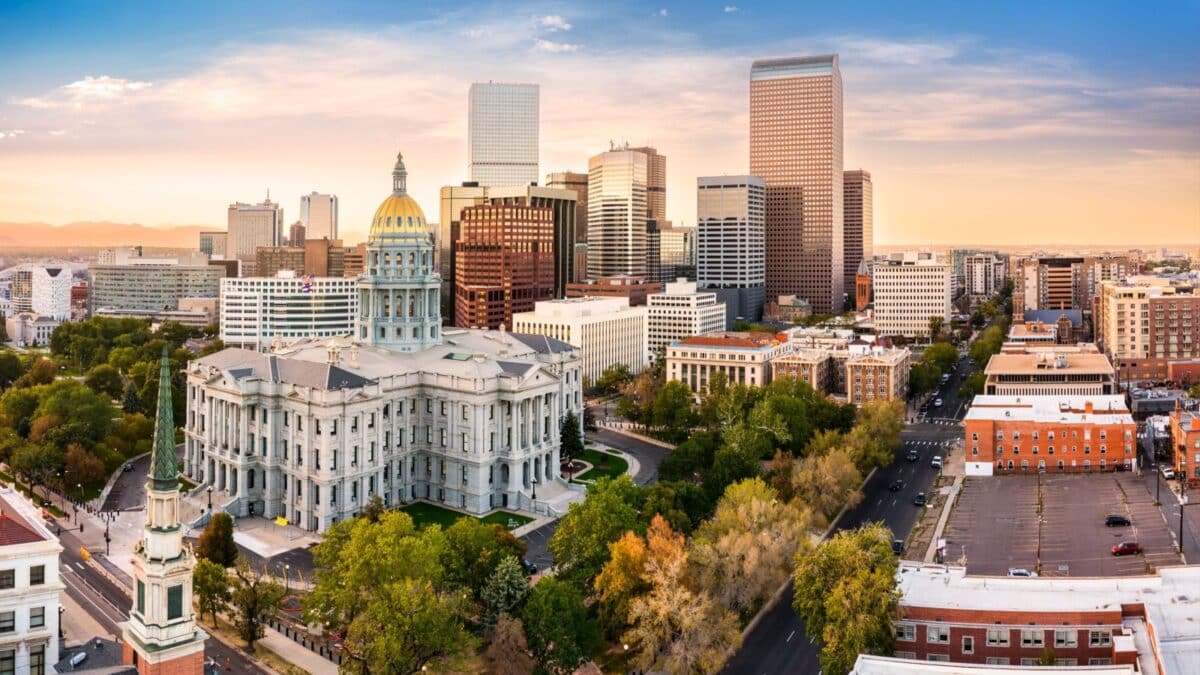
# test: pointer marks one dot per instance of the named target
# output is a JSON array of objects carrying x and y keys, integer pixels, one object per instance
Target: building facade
[
  {"x": 251, "y": 226},
  {"x": 1147, "y": 323},
  {"x": 150, "y": 287},
  {"x": 983, "y": 275},
  {"x": 1039, "y": 370},
  {"x": 617, "y": 214},
  {"x": 682, "y": 311},
  {"x": 635, "y": 289},
  {"x": 1185, "y": 444},
  {"x": 502, "y": 133},
  {"x": 26, "y": 329},
  {"x": 796, "y": 148},
  {"x": 607, "y": 331},
  {"x": 908, "y": 291},
  {"x": 577, "y": 183},
  {"x": 29, "y": 573},
  {"x": 318, "y": 216},
  {"x": 505, "y": 263},
  {"x": 730, "y": 243},
  {"x": 213, "y": 243},
  {"x": 257, "y": 311},
  {"x": 858, "y": 231},
  {"x": 1022, "y": 434},
  {"x": 744, "y": 358},
  {"x": 43, "y": 289},
  {"x": 877, "y": 375}
]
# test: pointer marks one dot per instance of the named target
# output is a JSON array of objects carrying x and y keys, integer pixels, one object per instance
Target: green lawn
[
  {"x": 186, "y": 484},
  {"x": 424, "y": 514},
  {"x": 603, "y": 464}
]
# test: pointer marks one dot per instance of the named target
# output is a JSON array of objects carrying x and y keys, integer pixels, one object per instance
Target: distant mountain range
[{"x": 100, "y": 234}]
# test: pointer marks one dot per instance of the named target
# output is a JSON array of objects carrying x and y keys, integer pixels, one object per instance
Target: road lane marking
[{"x": 790, "y": 636}]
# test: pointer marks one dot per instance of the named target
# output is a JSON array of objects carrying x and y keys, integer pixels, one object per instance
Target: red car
[{"x": 1126, "y": 548}]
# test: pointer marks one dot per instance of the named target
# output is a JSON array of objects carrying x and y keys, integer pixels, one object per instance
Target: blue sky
[{"x": 1080, "y": 115}]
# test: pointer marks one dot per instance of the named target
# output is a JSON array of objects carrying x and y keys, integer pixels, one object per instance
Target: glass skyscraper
[{"x": 502, "y": 134}]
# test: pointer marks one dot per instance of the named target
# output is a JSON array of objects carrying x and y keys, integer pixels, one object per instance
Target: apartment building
[
  {"x": 681, "y": 311},
  {"x": 31, "y": 601},
  {"x": 877, "y": 375},
  {"x": 1146, "y": 323},
  {"x": 1185, "y": 441}
]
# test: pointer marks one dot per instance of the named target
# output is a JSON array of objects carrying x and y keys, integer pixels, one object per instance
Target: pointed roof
[{"x": 163, "y": 470}]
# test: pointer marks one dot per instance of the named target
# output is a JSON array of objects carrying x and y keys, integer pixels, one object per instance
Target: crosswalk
[{"x": 940, "y": 444}]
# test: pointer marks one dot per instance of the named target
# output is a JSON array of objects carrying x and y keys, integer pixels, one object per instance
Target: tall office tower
[
  {"x": 577, "y": 183},
  {"x": 251, "y": 226},
  {"x": 858, "y": 240},
  {"x": 617, "y": 214},
  {"x": 730, "y": 250},
  {"x": 676, "y": 253},
  {"x": 213, "y": 243},
  {"x": 796, "y": 148},
  {"x": 502, "y": 134},
  {"x": 910, "y": 288},
  {"x": 296, "y": 237},
  {"x": 656, "y": 184},
  {"x": 319, "y": 215},
  {"x": 505, "y": 263}
]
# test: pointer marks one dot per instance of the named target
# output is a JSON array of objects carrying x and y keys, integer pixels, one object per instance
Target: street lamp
[
  {"x": 286, "y": 577},
  {"x": 535, "y": 482},
  {"x": 209, "y": 499},
  {"x": 107, "y": 539}
]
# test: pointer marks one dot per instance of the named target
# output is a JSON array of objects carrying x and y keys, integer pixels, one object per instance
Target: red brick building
[
  {"x": 1185, "y": 440},
  {"x": 1015, "y": 434},
  {"x": 862, "y": 291},
  {"x": 945, "y": 615},
  {"x": 634, "y": 288},
  {"x": 504, "y": 263}
]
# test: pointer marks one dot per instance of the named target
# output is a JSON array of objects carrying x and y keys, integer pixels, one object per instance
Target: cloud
[
  {"x": 663, "y": 12},
  {"x": 89, "y": 90},
  {"x": 11, "y": 133},
  {"x": 57, "y": 132},
  {"x": 553, "y": 22},
  {"x": 730, "y": 9},
  {"x": 554, "y": 47}
]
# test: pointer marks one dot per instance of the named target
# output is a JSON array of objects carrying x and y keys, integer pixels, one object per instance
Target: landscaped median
[
  {"x": 602, "y": 464},
  {"x": 425, "y": 514}
]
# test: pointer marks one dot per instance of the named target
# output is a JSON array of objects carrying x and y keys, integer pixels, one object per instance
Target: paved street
[{"x": 129, "y": 490}]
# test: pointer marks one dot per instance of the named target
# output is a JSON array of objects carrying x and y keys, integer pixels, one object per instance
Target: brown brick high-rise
[
  {"x": 504, "y": 263},
  {"x": 796, "y": 148}
]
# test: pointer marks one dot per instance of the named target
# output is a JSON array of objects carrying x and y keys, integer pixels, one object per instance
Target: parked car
[
  {"x": 897, "y": 546},
  {"x": 924, "y": 407},
  {"x": 896, "y": 485},
  {"x": 937, "y": 403},
  {"x": 530, "y": 568},
  {"x": 1126, "y": 548},
  {"x": 1021, "y": 572},
  {"x": 919, "y": 500},
  {"x": 1167, "y": 472},
  {"x": 128, "y": 467},
  {"x": 912, "y": 455},
  {"x": 945, "y": 378},
  {"x": 1117, "y": 521},
  {"x": 936, "y": 462}
]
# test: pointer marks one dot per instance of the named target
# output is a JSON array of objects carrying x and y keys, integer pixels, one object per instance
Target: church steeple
[
  {"x": 399, "y": 176},
  {"x": 164, "y": 471}
]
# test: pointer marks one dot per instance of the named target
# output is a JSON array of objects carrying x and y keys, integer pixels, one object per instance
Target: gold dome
[{"x": 399, "y": 214}]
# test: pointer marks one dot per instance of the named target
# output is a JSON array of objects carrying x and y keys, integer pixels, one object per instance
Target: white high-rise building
[
  {"x": 607, "y": 331},
  {"x": 502, "y": 134},
  {"x": 251, "y": 226},
  {"x": 256, "y": 310},
  {"x": 681, "y": 311},
  {"x": 43, "y": 289},
  {"x": 319, "y": 216},
  {"x": 29, "y": 605},
  {"x": 617, "y": 214},
  {"x": 983, "y": 275},
  {"x": 730, "y": 244},
  {"x": 909, "y": 289}
]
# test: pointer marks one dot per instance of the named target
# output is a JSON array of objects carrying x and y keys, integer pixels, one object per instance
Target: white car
[
  {"x": 936, "y": 462},
  {"x": 937, "y": 403},
  {"x": 1168, "y": 473},
  {"x": 1021, "y": 572}
]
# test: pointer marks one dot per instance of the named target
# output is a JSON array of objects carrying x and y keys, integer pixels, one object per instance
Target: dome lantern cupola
[
  {"x": 399, "y": 176},
  {"x": 399, "y": 215}
]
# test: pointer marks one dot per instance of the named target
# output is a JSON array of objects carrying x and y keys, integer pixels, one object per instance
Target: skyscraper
[
  {"x": 577, "y": 183},
  {"x": 656, "y": 184},
  {"x": 251, "y": 226},
  {"x": 504, "y": 263},
  {"x": 858, "y": 239},
  {"x": 617, "y": 213},
  {"x": 796, "y": 148},
  {"x": 729, "y": 243},
  {"x": 319, "y": 215},
  {"x": 502, "y": 134}
]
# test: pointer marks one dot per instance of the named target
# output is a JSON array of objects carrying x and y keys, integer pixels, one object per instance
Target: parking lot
[{"x": 1054, "y": 524}]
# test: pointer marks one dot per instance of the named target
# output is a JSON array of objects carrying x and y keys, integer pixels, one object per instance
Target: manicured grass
[
  {"x": 424, "y": 514},
  {"x": 186, "y": 484},
  {"x": 603, "y": 464}
]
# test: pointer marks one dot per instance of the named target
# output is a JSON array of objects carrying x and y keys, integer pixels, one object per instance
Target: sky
[{"x": 1007, "y": 123}]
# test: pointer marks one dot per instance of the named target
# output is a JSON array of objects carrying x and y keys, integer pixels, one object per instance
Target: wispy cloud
[
  {"x": 89, "y": 90},
  {"x": 730, "y": 9},
  {"x": 663, "y": 12},
  {"x": 57, "y": 132},
  {"x": 554, "y": 47},
  {"x": 553, "y": 22},
  {"x": 11, "y": 133}
]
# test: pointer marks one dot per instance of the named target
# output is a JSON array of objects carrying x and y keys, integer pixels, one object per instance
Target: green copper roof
[{"x": 163, "y": 470}]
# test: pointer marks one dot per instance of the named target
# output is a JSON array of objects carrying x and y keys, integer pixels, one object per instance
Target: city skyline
[{"x": 977, "y": 125}]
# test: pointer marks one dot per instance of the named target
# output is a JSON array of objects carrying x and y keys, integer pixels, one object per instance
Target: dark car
[
  {"x": 1126, "y": 548},
  {"x": 897, "y": 546},
  {"x": 912, "y": 456},
  {"x": 530, "y": 568},
  {"x": 128, "y": 467},
  {"x": 896, "y": 485},
  {"x": 1117, "y": 521},
  {"x": 919, "y": 500}
]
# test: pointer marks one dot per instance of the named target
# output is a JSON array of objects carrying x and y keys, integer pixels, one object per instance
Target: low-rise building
[
  {"x": 1064, "y": 370},
  {"x": 607, "y": 331},
  {"x": 1146, "y": 622},
  {"x": 787, "y": 309},
  {"x": 877, "y": 375},
  {"x": 636, "y": 289},
  {"x": 255, "y": 311},
  {"x": 1185, "y": 440},
  {"x": 1033, "y": 333},
  {"x": 29, "y": 605},
  {"x": 744, "y": 358},
  {"x": 27, "y": 329},
  {"x": 681, "y": 311},
  {"x": 815, "y": 366},
  {"x": 1013, "y": 434}
]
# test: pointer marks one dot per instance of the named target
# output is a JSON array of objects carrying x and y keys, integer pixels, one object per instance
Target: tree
[
  {"x": 210, "y": 584},
  {"x": 942, "y": 356},
  {"x": 216, "y": 541},
  {"x": 255, "y": 597},
  {"x": 729, "y": 466},
  {"x": 557, "y": 626},
  {"x": 374, "y": 509},
  {"x": 676, "y": 628},
  {"x": 922, "y": 377},
  {"x": 1194, "y": 392},
  {"x": 1047, "y": 657},
  {"x": 104, "y": 379},
  {"x": 408, "y": 626},
  {"x": 621, "y": 580},
  {"x": 876, "y": 436},
  {"x": 10, "y": 368},
  {"x": 37, "y": 462},
  {"x": 690, "y": 458},
  {"x": 744, "y": 552},
  {"x": 935, "y": 327},
  {"x": 130, "y": 403},
  {"x": 972, "y": 385},
  {"x": 580, "y": 544},
  {"x": 826, "y": 484},
  {"x": 41, "y": 371},
  {"x": 473, "y": 551},
  {"x": 86, "y": 416},
  {"x": 671, "y": 409},
  {"x": 17, "y": 406},
  {"x": 846, "y": 593},
  {"x": 504, "y": 589},
  {"x": 507, "y": 652},
  {"x": 84, "y": 467},
  {"x": 613, "y": 378},
  {"x": 572, "y": 439},
  {"x": 683, "y": 505}
]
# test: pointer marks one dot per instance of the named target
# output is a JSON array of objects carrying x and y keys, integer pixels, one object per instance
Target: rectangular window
[
  {"x": 968, "y": 644},
  {"x": 996, "y": 661},
  {"x": 37, "y": 660},
  {"x": 997, "y": 637},
  {"x": 1100, "y": 638},
  {"x": 937, "y": 657},
  {"x": 174, "y": 602},
  {"x": 938, "y": 634},
  {"x": 37, "y": 617},
  {"x": 37, "y": 575},
  {"x": 1066, "y": 638},
  {"x": 8, "y": 578},
  {"x": 8, "y": 622},
  {"x": 1100, "y": 662},
  {"x": 1032, "y": 638},
  {"x": 8, "y": 661}
]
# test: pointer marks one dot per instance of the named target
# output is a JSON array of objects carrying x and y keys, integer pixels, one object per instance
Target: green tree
[
  {"x": 876, "y": 436},
  {"x": 613, "y": 378},
  {"x": 216, "y": 541},
  {"x": 130, "y": 403},
  {"x": 373, "y": 509},
  {"x": 41, "y": 371},
  {"x": 922, "y": 378},
  {"x": 504, "y": 589},
  {"x": 473, "y": 550},
  {"x": 846, "y": 593},
  {"x": 942, "y": 356},
  {"x": 729, "y": 466},
  {"x": 11, "y": 368},
  {"x": 572, "y": 438},
  {"x": 122, "y": 358},
  {"x": 972, "y": 385},
  {"x": 17, "y": 406},
  {"x": 935, "y": 327},
  {"x": 691, "y": 458},
  {"x": 671, "y": 409},
  {"x": 682, "y": 505},
  {"x": 1194, "y": 392},
  {"x": 408, "y": 626},
  {"x": 1047, "y": 657},
  {"x": 37, "y": 463},
  {"x": 104, "y": 379},
  {"x": 580, "y": 544},
  {"x": 255, "y": 598},
  {"x": 84, "y": 415},
  {"x": 210, "y": 583},
  {"x": 559, "y": 631}
]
